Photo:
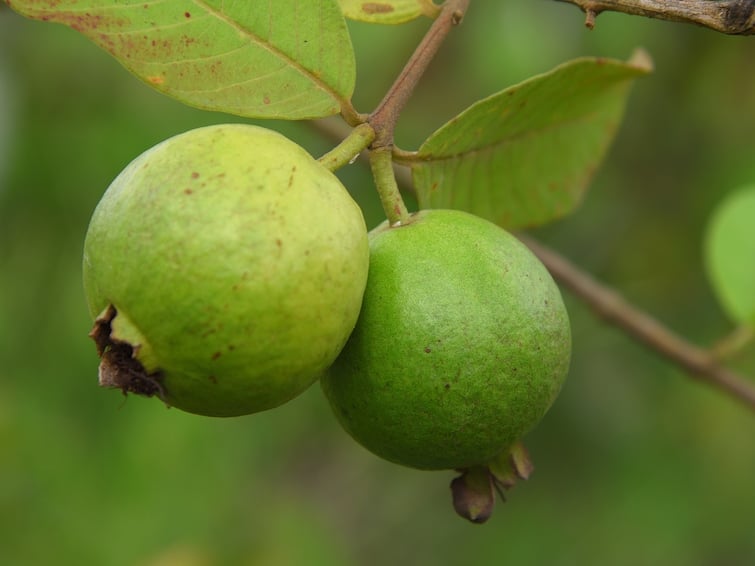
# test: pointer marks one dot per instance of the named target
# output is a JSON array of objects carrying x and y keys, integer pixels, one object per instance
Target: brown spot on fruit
[
  {"x": 213, "y": 379},
  {"x": 216, "y": 355}
]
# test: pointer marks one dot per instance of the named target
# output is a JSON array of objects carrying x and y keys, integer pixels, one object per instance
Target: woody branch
[{"x": 734, "y": 17}]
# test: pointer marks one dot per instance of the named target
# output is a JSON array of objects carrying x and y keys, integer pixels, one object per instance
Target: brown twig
[
  {"x": 734, "y": 17},
  {"x": 608, "y": 304},
  {"x": 384, "y": 118}
]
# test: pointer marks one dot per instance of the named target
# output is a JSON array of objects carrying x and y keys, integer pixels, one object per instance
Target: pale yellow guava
[{"x": 225, "y": 268}]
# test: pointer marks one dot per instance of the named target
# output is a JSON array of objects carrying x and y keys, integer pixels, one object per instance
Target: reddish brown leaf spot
[
  {"x": 188, "y": 191},
  {"x": 195, "y": 175},
  {"x": 376, "y": 8},
  {"x": 156, "y": 80},
  {"x": 85, "y": 21},
  {"x": 187, "y": 14},
  {"x": 266, "y": 100}
]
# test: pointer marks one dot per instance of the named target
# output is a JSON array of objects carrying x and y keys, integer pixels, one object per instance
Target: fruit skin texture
[
  {"x": 236, "y": 265},
  {"x": 462, "y": 344}
]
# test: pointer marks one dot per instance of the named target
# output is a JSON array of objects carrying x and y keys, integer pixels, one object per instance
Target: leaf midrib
[{"x": 272, "y": 49}]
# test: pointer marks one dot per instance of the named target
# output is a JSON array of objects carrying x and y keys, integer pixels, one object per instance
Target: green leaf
[
  {"x": 388, "y": 11},
  {"x": 524, "y": 156},
  {"x": 288, "y": 59},
  {"x": 730, "y": 255}
]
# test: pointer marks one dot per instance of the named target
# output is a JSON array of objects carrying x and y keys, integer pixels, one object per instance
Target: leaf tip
[{"x": 642, "y": 61}]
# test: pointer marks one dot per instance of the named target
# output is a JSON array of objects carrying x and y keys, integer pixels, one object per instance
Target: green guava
[
  {"x": 462, "y": 344},
  {"x": 225, "y": 269}
]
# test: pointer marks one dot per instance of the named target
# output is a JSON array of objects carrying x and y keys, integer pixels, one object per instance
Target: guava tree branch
[
  {"x": 384, "y": 118},
  {"x": 613, "y": 308},
  {"x": 734, "y": 17}
]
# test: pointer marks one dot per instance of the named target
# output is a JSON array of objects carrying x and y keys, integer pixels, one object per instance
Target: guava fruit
[
  {"x": 225, "y": 269},
  {"x": 462, "y": 344}
]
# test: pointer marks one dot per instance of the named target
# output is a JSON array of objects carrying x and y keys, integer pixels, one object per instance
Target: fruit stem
[
  {"x": 381, "y": 162},
  {"x": 349, "y": 149}
]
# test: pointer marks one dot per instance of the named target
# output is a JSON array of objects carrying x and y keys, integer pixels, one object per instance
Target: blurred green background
[{"x": 635, "y": 464}]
